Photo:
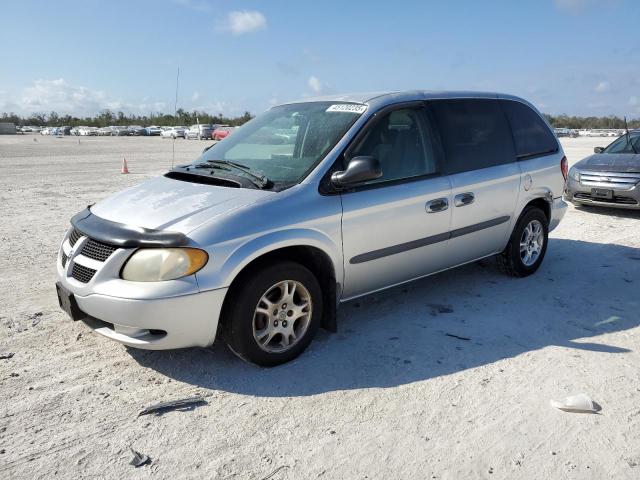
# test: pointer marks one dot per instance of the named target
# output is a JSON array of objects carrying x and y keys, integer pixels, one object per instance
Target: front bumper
[
  {"x": 625, "y": 197},
  {"x": 157, "y": 324},
  {"x": 148, "y": 315}
]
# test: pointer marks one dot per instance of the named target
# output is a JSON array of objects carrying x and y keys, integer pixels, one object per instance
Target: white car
[{"x": 173, "y": 132}]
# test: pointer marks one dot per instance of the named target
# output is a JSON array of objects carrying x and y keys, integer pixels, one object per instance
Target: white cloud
[
  {"x": 603, "y": 87},
  {"x": 315, "y": 84},
  {"x": 44, "y": 96},
  {"x": 240, "y": 22}
]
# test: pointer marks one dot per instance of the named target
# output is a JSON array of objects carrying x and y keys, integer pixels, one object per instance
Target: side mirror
[
  {"x": 598, "y": 150},
  {"x": 359, "y": 170}
]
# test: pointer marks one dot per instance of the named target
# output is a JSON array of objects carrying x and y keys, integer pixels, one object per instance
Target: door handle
[
  {"x": 437, "y": 205},
  {"x": 463, "y": 199}
]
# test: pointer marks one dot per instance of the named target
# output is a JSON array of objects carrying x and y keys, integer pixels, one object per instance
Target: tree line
[
  {"x": 107, "y": 118},
  {"x": 579, "y": 123}
]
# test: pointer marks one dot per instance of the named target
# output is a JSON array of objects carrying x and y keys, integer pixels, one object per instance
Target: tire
[
  {"x": 515, "y": 262},
  {"x": 244, "y": 324}
]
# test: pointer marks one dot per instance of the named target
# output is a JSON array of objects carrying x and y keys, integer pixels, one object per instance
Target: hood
[
  {"x": 611, "y": 162},
  {"x": 164, "y": 203}
]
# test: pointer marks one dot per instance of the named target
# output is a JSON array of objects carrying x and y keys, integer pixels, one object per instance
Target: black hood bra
[{"x": 121, "y": 235}]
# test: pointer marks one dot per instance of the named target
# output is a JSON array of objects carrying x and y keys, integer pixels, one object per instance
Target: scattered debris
[
  {"x": 6, "y": 355},
  {"x": 14, "y": 374},
  {"x": 275, "y": 471},
  {"x": 79, "y": 336},
  {"x": 35, "y": 318},
  {"x": 183, "y": 405},
  {"x": 139, "y": 459},
  {"x": 580, "y": 403},
  {"x": 437, "y": 308},
  {"x": 457, "y": 336}
]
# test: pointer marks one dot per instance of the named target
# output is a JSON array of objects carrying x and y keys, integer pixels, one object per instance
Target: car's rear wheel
[
  {"x": 527, "y": 245},
  {"x": 273, "y": 314}
]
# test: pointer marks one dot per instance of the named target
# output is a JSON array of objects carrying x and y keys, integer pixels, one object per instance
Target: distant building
[{"x": 7, "y": 128}]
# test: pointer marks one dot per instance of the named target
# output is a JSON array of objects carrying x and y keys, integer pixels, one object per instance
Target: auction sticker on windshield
[{"x": 347, "y": 108}]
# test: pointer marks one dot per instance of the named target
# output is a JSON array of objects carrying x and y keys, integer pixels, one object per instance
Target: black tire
[
  {"x": 240, "y": 309},
  {"x": 510, "y": 260}
]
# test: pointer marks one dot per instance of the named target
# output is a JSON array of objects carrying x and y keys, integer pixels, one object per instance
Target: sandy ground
[{"x": 389, "y": 396}]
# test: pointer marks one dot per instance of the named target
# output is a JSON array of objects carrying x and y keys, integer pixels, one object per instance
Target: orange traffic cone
[{"x": 125, "y": 169}]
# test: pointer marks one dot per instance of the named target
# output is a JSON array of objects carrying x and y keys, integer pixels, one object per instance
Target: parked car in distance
[
  {"x": 562, "y": 132},
  {"x": 45, "y": 131},
  {"x": 152, "y": 131},
  {"x": 136, "y": 130},
  {"x": 173, "y": 132},
  {"x": 258, "y": 240},
  {"x": 202, "y": 131},
  {"x": 610, "y": 177},
  {"x": 222, "y": 131},
  {"x": 120, "y": 131}
]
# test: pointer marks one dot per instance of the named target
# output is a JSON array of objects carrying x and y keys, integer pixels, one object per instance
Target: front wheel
[
  {"x": 273, "y": 314},
  {"x": 527, "y": 245}
]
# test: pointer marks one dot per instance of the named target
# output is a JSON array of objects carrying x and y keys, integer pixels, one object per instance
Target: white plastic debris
[{"x": 580, "y": 403}]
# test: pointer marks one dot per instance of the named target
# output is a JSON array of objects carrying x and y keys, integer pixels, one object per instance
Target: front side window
[
  {"x": 286, "y": 142},
  {"x": 401, "y": 142},
  {"x": 474, "y": 134},
  {"x": 531, "y": 135},
  {"x": 625, "y": 144}
]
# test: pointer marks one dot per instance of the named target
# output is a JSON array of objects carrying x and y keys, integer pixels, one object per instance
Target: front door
[{"x": 396, "y": 228}]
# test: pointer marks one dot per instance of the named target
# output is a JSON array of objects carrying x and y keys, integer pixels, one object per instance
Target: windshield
[
  {"x": 623, "y": 145},
  {"x": 286, "y": 142}
]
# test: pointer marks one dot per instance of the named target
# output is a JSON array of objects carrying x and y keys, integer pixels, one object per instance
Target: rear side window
[
  {"x": 474, "y": 133},
  {"x": 531, "y": 135}
]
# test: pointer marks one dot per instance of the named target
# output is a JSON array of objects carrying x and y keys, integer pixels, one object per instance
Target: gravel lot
[{"x": 389, "y": 396}]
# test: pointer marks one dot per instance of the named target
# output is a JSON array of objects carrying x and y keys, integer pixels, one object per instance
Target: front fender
[{"x": 243, "y": 254}]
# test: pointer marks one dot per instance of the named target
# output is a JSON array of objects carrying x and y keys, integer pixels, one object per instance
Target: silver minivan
[{"x": 308, "y": 205}]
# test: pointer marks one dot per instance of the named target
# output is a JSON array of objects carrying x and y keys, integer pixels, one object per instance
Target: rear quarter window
[
  {"x": 531, "y": 135},
  {"x": 474, "y": 133}
]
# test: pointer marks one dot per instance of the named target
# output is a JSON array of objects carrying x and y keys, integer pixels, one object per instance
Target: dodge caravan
[{"x": 308, "y": 205}]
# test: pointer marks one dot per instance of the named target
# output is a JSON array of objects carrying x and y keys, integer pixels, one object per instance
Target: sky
[{"x": 579, "y": 57}]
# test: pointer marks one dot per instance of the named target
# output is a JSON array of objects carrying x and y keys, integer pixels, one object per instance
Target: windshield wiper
[{"x": 261, "y": 180}]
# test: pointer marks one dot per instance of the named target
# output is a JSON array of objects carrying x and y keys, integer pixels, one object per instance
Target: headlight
[
  {"x": 157, "y": 264},
  {"x": 574, "y": 173}
]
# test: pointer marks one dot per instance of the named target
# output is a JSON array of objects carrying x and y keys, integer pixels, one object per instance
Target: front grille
[
  {"x": 615, "y": 199},
  {"x": 74, "y": 237},
  {"x": 82, "y": 273},
  {"x": 97, "y": 250},
  {"x": 620, "y": 181},
  {"x": 64, "y": 259}
]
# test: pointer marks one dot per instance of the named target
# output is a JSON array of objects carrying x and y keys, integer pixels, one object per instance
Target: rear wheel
[
  {"x": 273, "y": 314},
  {"x": 527, "y": 245}
]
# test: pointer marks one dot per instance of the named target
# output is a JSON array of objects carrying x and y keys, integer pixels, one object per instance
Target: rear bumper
[
  {"x": 558, "y": 210},
  {"x": 158, "y": 324}
]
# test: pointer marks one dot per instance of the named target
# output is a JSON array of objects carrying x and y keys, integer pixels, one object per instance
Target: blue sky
[{"x": 566, "y": 56}]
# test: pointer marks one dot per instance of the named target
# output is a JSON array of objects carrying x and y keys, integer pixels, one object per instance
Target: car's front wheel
[
  {"x": 527, "y": 245},
  {"x": 273, "y": 314}
]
